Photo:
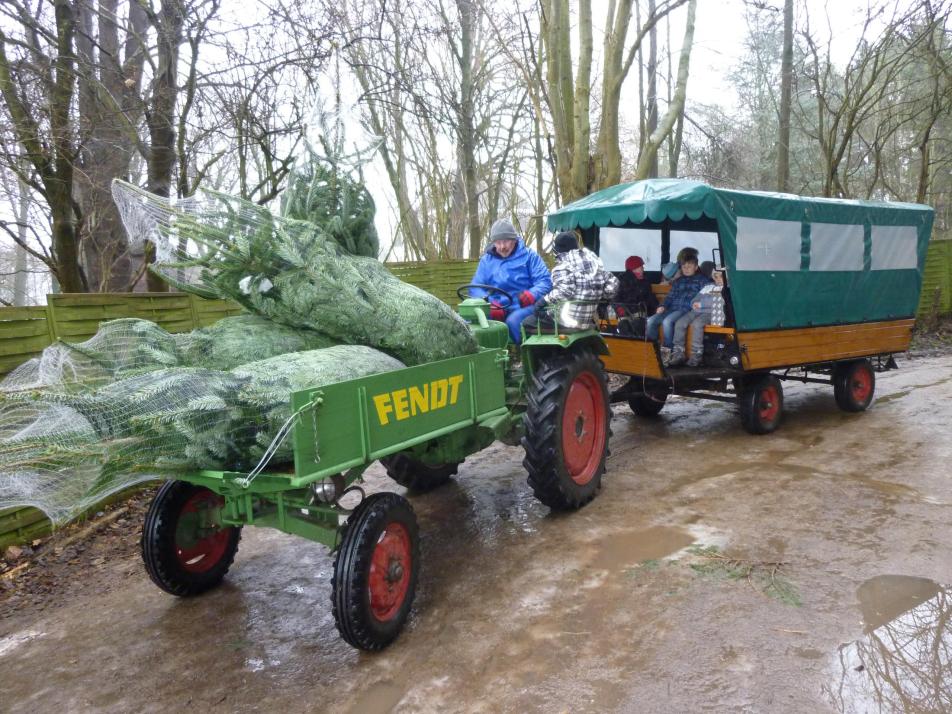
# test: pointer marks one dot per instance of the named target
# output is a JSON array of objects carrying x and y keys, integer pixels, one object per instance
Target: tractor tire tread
[
  {"x": 417, "y": 476},
  {"x": 349, "y": 600},
  {"x": 157, "y": 545},
  {"x": 542, "y": 462}
]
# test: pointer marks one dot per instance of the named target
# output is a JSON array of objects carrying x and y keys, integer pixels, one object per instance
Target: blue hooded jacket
[{"x": 522, "y": 270}]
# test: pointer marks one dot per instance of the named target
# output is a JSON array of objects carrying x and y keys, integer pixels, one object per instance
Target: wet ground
[{"x": 803, "y": 571}]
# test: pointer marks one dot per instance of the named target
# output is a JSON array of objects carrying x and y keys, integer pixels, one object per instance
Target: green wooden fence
[
  {"x": 937, "y": 277},
  {"x": 25, "y": 331}
]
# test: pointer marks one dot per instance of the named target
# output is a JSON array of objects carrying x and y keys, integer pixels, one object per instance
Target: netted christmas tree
[
  {"x": 136, "y": 403},
  {"x": 292, "y": 272},
  {"x": 63, "y": 450}
]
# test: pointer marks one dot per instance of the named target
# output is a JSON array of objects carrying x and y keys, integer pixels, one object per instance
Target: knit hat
[
  {"x": 503, "y": 230},
  {"x": 707, "y": 267},
  {"x": 669, "y": 270},
  {"x": 634, "y": 262},
  {"x": 565, "y": 241}
]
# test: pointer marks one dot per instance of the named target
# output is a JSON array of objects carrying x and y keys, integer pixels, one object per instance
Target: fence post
[
  {"x": 51, "y": 319},
  {"x": 194, "y": 306}
]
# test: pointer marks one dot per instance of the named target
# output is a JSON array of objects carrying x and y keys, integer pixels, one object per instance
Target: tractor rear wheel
[
  {"x": 415, "y": 475},
  {"x": 853, "y": 385},
  {"x": 375, "y": 571},
  {"x": 567, "y": 425},
  {"x": 184, "y": 550},
  {"x": 761, "y": 404}
]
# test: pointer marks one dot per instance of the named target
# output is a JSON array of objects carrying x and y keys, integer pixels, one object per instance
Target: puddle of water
[
  {"x": 904, "y": 663},
  {"x": 884, "y": 598},
  {"x": 380, "y": 698},
  {"x": 632, "y": 547},
  {"x": 11, "y": 642}
]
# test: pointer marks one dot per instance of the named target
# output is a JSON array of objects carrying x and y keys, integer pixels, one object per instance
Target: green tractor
[{"x": 420, "y": 423}]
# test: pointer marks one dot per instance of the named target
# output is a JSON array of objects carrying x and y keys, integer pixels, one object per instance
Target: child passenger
[
  {"x": 634, "y": 292},
  {"x": 676, "y": 304},
  {"x": 707, "y": 308}
]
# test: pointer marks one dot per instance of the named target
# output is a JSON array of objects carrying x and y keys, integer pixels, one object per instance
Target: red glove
[
  {"x": 526, "y": 298},
  {"x": 496, "y": 312}
]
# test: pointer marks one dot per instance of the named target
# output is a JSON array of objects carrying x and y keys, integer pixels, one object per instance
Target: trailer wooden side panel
[
  {"x": 632, "y": 356},
  {"x": 771, "y": 349}
]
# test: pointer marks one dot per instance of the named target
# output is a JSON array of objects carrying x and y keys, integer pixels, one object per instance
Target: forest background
[{"x": 483, "y": 110}]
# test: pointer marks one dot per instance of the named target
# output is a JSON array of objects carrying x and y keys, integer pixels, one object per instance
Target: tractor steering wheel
[{"x": 491, "y": 289}]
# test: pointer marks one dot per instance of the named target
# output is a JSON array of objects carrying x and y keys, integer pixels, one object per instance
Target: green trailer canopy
[{"x": 791, "y": 261}]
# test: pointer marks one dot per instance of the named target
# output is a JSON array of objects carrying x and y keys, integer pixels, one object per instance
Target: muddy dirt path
[{"x": 801, "y": 571}]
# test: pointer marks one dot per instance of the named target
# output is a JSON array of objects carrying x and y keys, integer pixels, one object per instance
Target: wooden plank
[
  {"x": 66, "y": 315},
  {"x": 632, "y": 356},
  {"x": 9, "y": 363},
  {"x": 24, "y": 345},
  {"x": 13, "y": 314},
  {"x": 13, "y": 518},
  {"x": 23, "y": 328},
  {"x": 26, "y": 534},
  {"x": 784, "y": 348}
]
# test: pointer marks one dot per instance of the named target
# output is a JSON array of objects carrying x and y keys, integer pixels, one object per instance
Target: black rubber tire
[
  {"x": 549, "y": 476},
  {"x": 649, "y": 404},
  {"x": 853, "y": 385},
  {"x": 160, "y": 549},
  {"x": 351, "y": 584},
  {"x": 416, "y": 476},
  {"x": 761, "y": 404}
]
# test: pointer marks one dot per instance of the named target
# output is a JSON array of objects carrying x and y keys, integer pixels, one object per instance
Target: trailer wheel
[
  {"x": 185, "y": 552},
  {"x": 651, "y": 402},
  {"x": 761, "y": 405},
  {"x": 567, "y": 425},
  {"x": 375, "y": 571},
  {"x": 853, "y": 385},
  {"x": 415, "y": 475}
]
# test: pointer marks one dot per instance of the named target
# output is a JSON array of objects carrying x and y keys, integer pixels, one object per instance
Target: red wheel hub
[
  {"x": 200, "y": 543},
  {"x": 861, "y": 384},
  {"x": 768, "y": 404},
  {"x": 583, "y": 428},
  {"x": 390, "y": 572}
]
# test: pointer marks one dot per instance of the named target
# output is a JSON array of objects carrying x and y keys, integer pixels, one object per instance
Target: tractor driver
[{"x": 510, "y": 265}]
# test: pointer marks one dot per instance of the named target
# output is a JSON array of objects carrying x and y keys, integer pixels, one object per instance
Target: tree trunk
[
  {"x": 20, "y": 263},
  {"x": 582, "y": 104},
  {"x": 649, "y": 156},
  {"x": 786, "y": 89},
  {"x": 652, "y": 122},
  {"x": 561, "y": 94},
  {"x": 467, "y": 133},
  {"x": 108, "y": 110},
  {"x": 161, "y": 116},
  {"x": 59, "y": 182}
]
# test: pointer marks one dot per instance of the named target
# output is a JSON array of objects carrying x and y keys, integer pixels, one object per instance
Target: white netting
[
  {"x": 135, "y": 403},
  {"x": 292, "y": 272},
  {"x": 63, "y": 450}
]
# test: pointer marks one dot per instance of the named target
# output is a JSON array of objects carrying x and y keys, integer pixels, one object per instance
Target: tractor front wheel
[
  {"x": 853, "y": 385},
  {"x": 415, "y": 475},
  {"x": 185, "y": 549},
  {"x": 568, "y": 422},
  {"x": 375, "y": 572}
]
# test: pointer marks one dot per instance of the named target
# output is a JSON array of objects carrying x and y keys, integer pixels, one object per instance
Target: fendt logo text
[{"x": 405, "y": 403}]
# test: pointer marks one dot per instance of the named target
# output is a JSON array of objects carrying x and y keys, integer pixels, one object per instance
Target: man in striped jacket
[{"x": 578, "y": 275}]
